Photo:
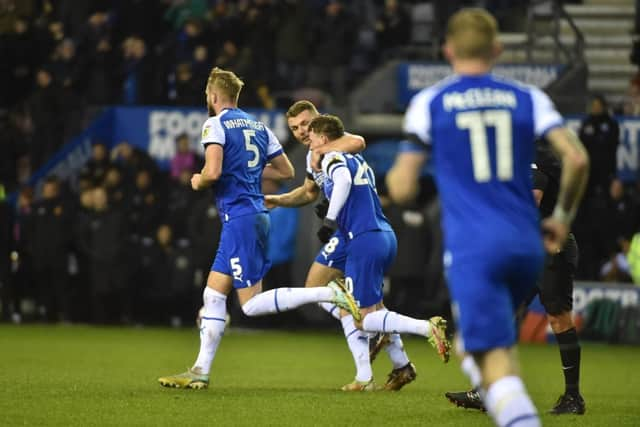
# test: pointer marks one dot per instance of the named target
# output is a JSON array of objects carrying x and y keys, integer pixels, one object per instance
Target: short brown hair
[
  {"x": 328, "y": 125},
  {"x": 226, "y": 82},
  {"x": 472, "y": 33},
  {"x": 300, "y": 106}
]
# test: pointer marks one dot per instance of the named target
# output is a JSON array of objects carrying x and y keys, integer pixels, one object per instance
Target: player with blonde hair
[
  {"x": 237, "y": 150},
  {"x": 481, "y": 130}
]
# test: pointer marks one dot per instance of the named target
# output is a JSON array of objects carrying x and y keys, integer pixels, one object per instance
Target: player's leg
[
  {"x": 328, "y": 266},
  {"x": 320, "y": 275},
  {"x": 212, "y": 327},
  {"x": 370, "y": 255},
  {"x": 484, "y": 309},
  {"x": 504, "y": 393},
  {"x": 556, "y": 295},
  {"x": 284, "y": 299},
  {"x": 469, "y": 399},
  {"x": 237, "y": 243},
  {"x": 403, "y": 371},
  {"x": 571, "y": 402},
  {"x": 213, "y": 321},
  {"x": 358, "y": 343}
]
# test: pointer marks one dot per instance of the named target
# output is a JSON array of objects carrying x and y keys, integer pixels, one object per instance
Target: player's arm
[
  {"x": 279, "y": 167},
  {"x": 212, "y": 169},
  {"x": 403, "y": 178},
  {"x": 547, "y": 122},
  {"x": 575, "y": 173},
  {"x": 303, "y": 195},
  {"x": 347, "y": 143},
  {"x": 336, "y": 169}
]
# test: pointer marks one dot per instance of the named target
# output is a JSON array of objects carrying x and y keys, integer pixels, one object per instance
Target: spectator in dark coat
[
  {"x": 188, "y": 89},
  {"x": 50, "y": 248},
  {"x": 131, "y": 160},
  {"x": 600, "y": 134},
  {"x": 138, "y": 73},
  {"x": 66, "y": 65},
  {"x": 145, "y": 209},
  {"x": 18, "y": 63},
  {"x": 102, "y": 240},
  {"x": 203, "y": 222},
  {"x": 96, "y": 167},
  {"x": 622, "y": 218},
  {"x": 47, "y": 106},
  {"x": 393, "y": 27},
  {"x": 332, "y": 40},
  {"x": 291, "y": 44},
  {"x": 99, "y": 81},
  {"x": 165, "y": 279},
  {"x": 15, "y": 146},
  {"x": 81, "y": 278},
  {"x": 114, "y": 184},
  {"x": 180, "y": 201}
]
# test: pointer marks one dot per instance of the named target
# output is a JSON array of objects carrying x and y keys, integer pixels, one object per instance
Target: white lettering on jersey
[
  {"x": 242, "y": 123},
  {"x": 477, "y": 98}
]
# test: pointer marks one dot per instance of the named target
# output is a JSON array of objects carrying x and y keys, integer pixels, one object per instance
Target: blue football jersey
[
  {"x": 247, "y": 147},
  {"x": 481, "y": 130},
  {"x": 362, "y": 211}
]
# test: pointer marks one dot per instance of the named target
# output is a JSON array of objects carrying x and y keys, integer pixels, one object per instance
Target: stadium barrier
[{"x": 535, "y": 327}]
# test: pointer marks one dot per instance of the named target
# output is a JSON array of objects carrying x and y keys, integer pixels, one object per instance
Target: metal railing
[{"x": 540, "y": 11}]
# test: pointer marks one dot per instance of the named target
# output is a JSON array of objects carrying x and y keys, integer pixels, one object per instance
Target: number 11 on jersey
[{"x": 477, "y": 122}]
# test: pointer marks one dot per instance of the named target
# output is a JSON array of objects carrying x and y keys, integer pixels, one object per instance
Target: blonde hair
[
  {"x": 226, "y": 82},
  {"x": 300, "y": 106},
  {"x": 472, "y": 33}
]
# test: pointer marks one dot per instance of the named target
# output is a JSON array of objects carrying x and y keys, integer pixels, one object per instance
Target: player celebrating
[
  {"x": 237, "y": 149},
  {"x": 481, "y": 129},
  {"x": 330, "y": 262},
  {"x": 556, "y": 293},
  {"x": 355, "y": 210}
]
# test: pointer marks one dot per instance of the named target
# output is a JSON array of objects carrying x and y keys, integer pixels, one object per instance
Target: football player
[
  {"x": 481, "y": 129},
  {"x": 329, "y": 263},
  {"x": 354, "y": 209},
  {"x": 237, "y": 150}
]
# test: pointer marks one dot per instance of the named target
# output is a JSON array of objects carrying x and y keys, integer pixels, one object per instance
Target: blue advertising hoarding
[
  {"x": 154, "y": 129},
  {"x": 412, "y": 77}
]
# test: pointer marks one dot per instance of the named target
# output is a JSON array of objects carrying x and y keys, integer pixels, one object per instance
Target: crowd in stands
[
  {"x": 61, "y": 56},
  {"x": 609, "y": 215},
  {"x": 128, "y": 242}
]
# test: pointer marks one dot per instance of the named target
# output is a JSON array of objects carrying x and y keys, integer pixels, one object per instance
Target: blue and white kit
[
  {"x": 334, "y": 253},
  {"x": 481, "y": 130},
  {"x": 247, "y": 147},
  {"x": 354, "y": 204}
]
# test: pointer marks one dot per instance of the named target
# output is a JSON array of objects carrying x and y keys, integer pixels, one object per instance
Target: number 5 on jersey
[
  {"x": 236, "y": 268},
  {"x": 250, "y": 146}
]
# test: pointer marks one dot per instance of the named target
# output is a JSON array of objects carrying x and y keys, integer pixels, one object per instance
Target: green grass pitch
[{"x": 85, "y": 376}]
